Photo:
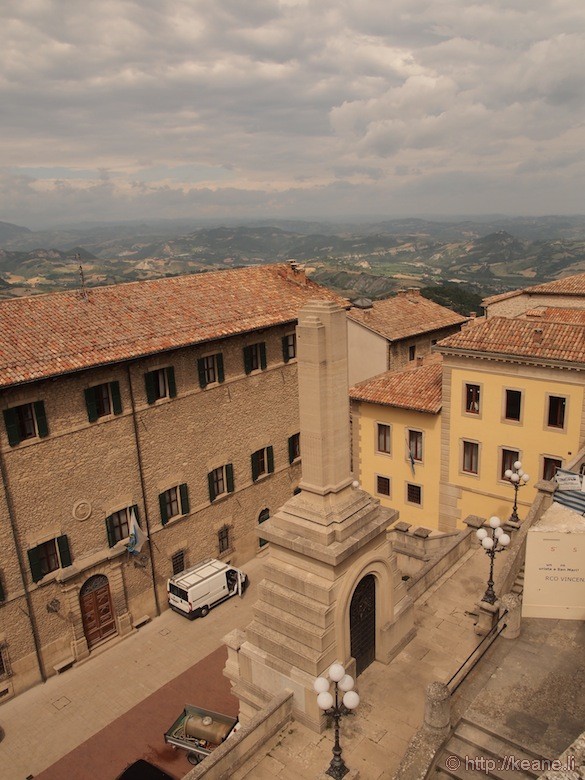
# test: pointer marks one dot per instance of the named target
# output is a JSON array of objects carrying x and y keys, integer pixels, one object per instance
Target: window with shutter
[
  {"x": 294, "y": 447},
  {"x": 255, "y": 357},
  {"x": 160, "y": 384},
  {"x": 221, "y": 481},
  {"x": 289, "y": 347},
  {"x": 174, "y": 502},
  {"x": 49, "y": 556},
  {"x": 262, "y": 462},
  {"x": 103, "y": 400},
  {"x": 26, "y": 421},
  {"x": 118, "y": 526}
]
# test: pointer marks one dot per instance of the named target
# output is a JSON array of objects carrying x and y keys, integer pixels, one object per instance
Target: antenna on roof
[{"x": 84, "y": 294}]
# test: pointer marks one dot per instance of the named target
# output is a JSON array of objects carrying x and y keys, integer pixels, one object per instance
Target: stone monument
[{"x": 332, "y": 589}]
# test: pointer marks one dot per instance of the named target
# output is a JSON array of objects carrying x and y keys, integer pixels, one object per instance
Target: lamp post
[
  {"x": 341, "y": 703},
  {"x": 518, "y": 479},
  {"x": 492, "y": 544}
]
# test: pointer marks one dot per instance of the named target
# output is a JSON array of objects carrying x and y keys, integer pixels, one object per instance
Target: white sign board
[{"x": 568, "y": 481}]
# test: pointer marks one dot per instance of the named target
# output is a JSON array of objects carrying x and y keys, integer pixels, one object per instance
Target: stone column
[
  {"x": 513, "y": 619},
  {"x": 438, "y": 707}
]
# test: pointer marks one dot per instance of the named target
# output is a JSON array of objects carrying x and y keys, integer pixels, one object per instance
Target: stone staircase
[
  {"x": 518, "y": 586},
  {"x": 474, "y": 753}
]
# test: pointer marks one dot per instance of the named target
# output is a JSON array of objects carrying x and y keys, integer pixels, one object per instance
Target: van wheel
[{"x": 204, "y": 611}]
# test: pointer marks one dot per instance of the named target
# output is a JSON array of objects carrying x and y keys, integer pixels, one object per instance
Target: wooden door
[
  {"x": 362, "y": 623},
  {"x": 96, "y": 610}
]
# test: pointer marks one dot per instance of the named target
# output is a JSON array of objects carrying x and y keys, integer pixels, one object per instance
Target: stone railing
[
  {"x": 442, "y": 562},
  {"x": 235, "y": 751}
]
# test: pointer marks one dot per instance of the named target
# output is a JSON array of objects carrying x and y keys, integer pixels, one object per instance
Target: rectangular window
[
  {"x": 470, "y": 457},
  {"x": 262, "y": 518},
  {"x": 160, "y": 384},
  {"x": 262, "y": 462},
  {"x": 509, "y": 457},
  {"x": 513, "y": 404},
  {"x": 220, "y": 481},
  {"x": 412, "y": 352},
  {"x": 415, "y": 445},
  {"x": 4, "y": 669},
  {"x": 383, "y": 438},
  {"x": 413, "y": 494},
  {"x": 178, "y": 561},
  {"x": 556, "y": 411},
  {"x": 550, "y": 466},
  {"x": 174, "y": 502},
  {"x": 49, "y": 556},
  {"x": 472, "y": 399},
  {"x": 210, "y": 369},
  {"x": 383, "y": 485},
  {"x": 223, "y": 539},
  {"x": 103, "y": 400},
  {"x": 294, "y": 447},
  {"x": 254, "y": 357},
  {"x": 25, "y": 422},
  {"x": 289, "y": 347},
  {"x": 118, "y": 526}
]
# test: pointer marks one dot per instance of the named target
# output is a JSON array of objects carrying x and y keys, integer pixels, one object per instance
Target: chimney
[
  {"x": 296, "y": 273},
  {"x": 537, "y": 335},
  {"x": 419, "y": 360},
  {"x": 413, "y": 292},
  {"x": 473, "y": 314},
  {"x": 401, "y": 293}
]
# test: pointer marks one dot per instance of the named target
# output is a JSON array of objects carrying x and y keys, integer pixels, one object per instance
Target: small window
[
  {"x": 118, "y": 526},
  {"x": 220, "y": 481},
  {"x": 262, "y": 462},
  {"x": 415, "y": 445},
  {"x": 27, "y": 421},
  {"x": 383, "y": 438},
  {"x": 513, "y": 404},
  {"x": 254, "y": 357},
  {"x": 160, "y": 384},
  {"x": 2, "y": 591},
  {"x": 178, "y": 561},
  {"x": 262, "y": 518},
  {"x": 414, "y": 494},
  {"x": 210, "y": 369},
  {"x": 49, "y": 556},
  {"x": 173, "y": 503},
  {"x": 289, "y": 347},
  {"x": 556, "y": 411},
  {"x": 103, "y": 400},
  {"x": 550, "y": 467},
  {"x": 412, "y": 352},
  {"x": 223, "y": 540},
  {"x": 472, "y": 393},
  {"x": 382, "y": 485},
  {"x": 294, "y": 447},
  {"x": 509, "y": 457},
  {"x": 470, "y": 457}
]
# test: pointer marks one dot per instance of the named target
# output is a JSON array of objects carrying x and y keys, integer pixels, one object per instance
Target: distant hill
[{"x": 9, "y": 232}]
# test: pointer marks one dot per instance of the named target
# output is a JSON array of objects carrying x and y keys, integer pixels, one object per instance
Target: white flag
[{"x": 137, "y": 537}]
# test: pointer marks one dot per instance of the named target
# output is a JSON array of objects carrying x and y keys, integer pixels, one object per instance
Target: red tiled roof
[
  {"x": 405, "y": 315},
  {"x": 417, "y": 388},
  {"x": 542, "y": 340},
  {"x": 48, "y": 335},
  {"x": 569, "y": 285},
  {"x": 554, "y": 314}
]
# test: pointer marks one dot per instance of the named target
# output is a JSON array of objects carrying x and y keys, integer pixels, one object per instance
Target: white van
[{"x": 195, "y": 591}]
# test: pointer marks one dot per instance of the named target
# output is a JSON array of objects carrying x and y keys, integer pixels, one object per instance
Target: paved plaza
[{"x": 533, "y": 687}]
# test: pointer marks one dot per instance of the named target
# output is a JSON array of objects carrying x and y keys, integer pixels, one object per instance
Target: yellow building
[{"x": 397, "y": 440}]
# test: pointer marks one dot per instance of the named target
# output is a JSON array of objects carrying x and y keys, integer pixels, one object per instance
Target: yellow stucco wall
[
  {"x": 487, "y": 494},
  {"x": 368, "y": 462}
]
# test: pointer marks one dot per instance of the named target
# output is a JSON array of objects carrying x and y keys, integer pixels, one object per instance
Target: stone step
[
  {"x": 500, "y": 766},
  {"x": 493, "y": 744}
]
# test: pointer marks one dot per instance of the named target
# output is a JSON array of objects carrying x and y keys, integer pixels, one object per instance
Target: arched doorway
[
  {"x": 362, "y": 623},
  {"x": 96, "y": 610}
]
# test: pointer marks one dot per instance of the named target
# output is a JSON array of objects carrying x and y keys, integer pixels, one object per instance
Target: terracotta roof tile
[
  {"x": 500, "y": 336},
  {"x": 405, "y": 315},
  {"x": 554, "y": 314},
  {"x": 417, "y": 388},
  {"x": 569, "y": 285},
  {"x": 47, "y": 335}
]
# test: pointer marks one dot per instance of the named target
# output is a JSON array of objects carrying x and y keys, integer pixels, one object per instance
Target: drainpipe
[
  {"x": 33, "y": 625},
  {"x": 141, "y": 473}
]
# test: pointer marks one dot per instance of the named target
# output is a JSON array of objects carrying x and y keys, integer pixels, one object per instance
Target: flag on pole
[{"x": 137, "y": 537}]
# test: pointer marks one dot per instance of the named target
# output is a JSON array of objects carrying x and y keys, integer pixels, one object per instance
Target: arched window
[{"x": 262, "y": 518}]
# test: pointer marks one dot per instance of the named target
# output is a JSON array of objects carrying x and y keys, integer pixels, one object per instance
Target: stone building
[
  {"x": 172, "y": 400},
  {"x": 390, "y": 335},
  {"x": 566, "y": 293}
]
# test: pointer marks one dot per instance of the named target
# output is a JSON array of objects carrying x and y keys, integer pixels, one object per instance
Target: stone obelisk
[{"x": 323, "y": 543}]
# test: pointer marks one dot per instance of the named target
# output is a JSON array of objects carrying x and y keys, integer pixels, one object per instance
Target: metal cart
[{"x": 200, "y": 731}]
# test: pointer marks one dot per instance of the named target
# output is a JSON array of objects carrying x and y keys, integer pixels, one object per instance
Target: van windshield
[{"x": 178, "y": 592}]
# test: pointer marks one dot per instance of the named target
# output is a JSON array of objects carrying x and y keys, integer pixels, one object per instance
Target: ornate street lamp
[
  {"x": 518, "y": 479},
  {"x": 336, "y": 708},
  {"x": 492, "y": 544}
]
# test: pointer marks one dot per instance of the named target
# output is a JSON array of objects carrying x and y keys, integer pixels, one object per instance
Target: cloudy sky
[{"x": 125, "y": 109}]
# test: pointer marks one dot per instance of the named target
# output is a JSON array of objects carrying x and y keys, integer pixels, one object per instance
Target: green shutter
[
  {"x": 270, "y": 459},
  {"x": 64, "y": 552},
  {"x": 41, "y": 417},
  {"x": 220, "y": 374},
  {"x": 184, "y": 492},
  {"x": 211, "y": 486},
  {"x": 229, "y": 477},
  {"x": 171, "y": 382},
  {"x": 116, "y": 399},
  {"x": 247, "y": 360},
  {"x": 35, "y": 564},
  {"x": 254, "y": 467},
  {"x": 110, "y": 532},
  {"x": 291, "y": 449},
  {"x": 11, "y": 423},
  {"x": 285, "y": 356},
  {"x": 90, "y": 403},
  {"x": 201, "y": 372},
  {"x": 150, "y": 387},
  {"x": 162, "y": 500},
  {"x": 262, "y": 354}
]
